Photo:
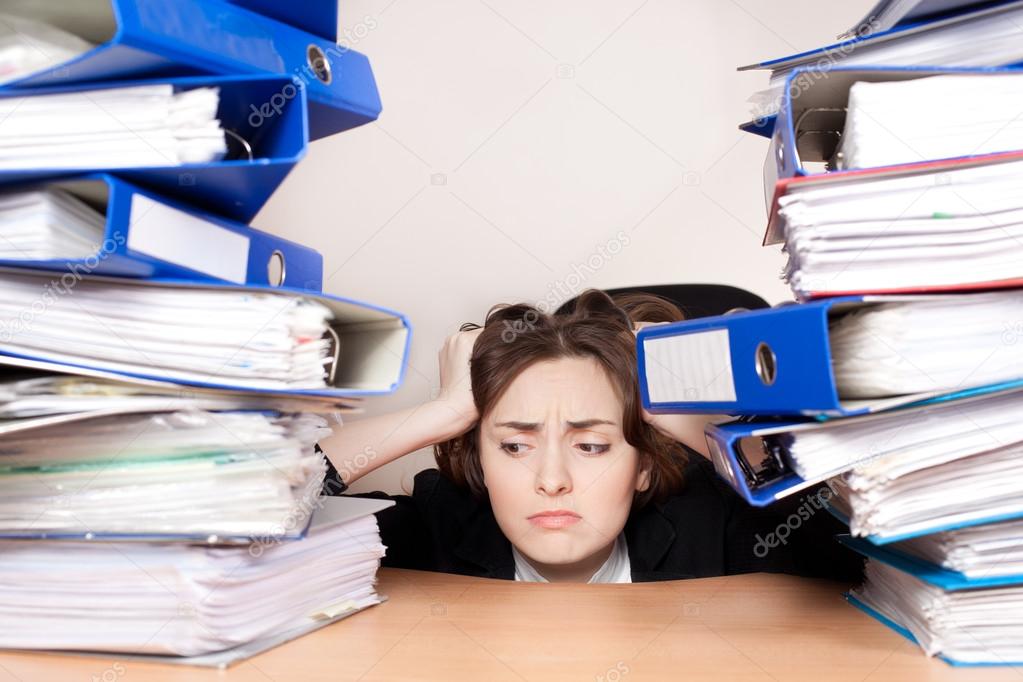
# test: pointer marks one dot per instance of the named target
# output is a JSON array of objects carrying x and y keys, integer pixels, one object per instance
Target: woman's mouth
[{"x": 559, "y": 518}]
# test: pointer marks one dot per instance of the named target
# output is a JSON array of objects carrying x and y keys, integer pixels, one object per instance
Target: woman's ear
[{"x": 643, "y": 477}]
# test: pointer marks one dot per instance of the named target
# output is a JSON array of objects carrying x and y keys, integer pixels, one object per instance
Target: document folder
[
  {"x": 236, "y": 187},
  {"x": 149, "y": 37},
  {"x": 848, "y": 52},
  {"x": 812, "y": 117},
  {"x": 967, "y": 436},
  {"x": 775, "y": 361},
  {"x": 971, "y": 623},
  {"x": 753, "y": 456},
  {"x": 152, "y": 237},
  {"x": 370, "y": 343},
  {"x": 902, "y": 630}
]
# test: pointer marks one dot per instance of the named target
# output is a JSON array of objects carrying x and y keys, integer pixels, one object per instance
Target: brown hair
[{"x": 599, "y": 327}]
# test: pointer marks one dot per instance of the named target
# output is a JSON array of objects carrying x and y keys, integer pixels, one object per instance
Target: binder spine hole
[
  {"x": 766, "y": 364},
  {"x": 319, "y": 63},
  {"x": 276, "y": 269}
]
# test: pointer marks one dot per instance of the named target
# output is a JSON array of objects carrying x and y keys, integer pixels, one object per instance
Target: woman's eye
[
  {"x": 514, "y": 448},
  {"x": 594, "y": 448}
]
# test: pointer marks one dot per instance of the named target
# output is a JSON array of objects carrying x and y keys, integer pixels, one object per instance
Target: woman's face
[{"x": 554, "y": 443}]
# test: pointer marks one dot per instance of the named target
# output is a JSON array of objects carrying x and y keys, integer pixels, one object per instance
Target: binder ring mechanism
[
  {"x": 334, "y": 360},
  {"x": 240, "y": 146},
  {"x": 761, "y": 460},
  {"x": 818, "y": 133}
]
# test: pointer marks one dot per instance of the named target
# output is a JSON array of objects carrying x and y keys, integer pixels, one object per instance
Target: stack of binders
[
  {"x": 894, "y": 387},
  {"x": 166, "y": 370}
]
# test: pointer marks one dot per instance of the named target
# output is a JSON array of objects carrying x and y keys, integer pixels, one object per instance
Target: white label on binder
[
  {"x": 690, "y": 368},
  {"x": 181, "y": 238}
]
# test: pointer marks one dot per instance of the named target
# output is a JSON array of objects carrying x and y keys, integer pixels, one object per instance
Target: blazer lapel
[
  {"x": 484, "y": 545},
  {"x": 649, "y": 534}
]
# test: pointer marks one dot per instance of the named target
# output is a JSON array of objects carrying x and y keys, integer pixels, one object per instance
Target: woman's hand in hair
[
  {"x": 455, "y": 384},
  {"x": 362, "y": 445}
]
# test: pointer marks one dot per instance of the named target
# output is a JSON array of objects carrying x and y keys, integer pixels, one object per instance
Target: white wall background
[{"x": 519, "y": 136}]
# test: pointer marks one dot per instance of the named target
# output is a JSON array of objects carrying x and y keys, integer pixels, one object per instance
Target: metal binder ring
[
  {"x": 242, "y": 141},
  {"x": 800, "y": 133},
  {"x": 766, "y": 364},
  {"x": 276, "y": 269},
  {"x": 335, "y": 354}
]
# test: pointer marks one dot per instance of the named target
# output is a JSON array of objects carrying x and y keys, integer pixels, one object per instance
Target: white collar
[{"x": 616, "y": 569}]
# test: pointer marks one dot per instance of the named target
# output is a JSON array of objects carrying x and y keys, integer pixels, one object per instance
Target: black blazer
[{"x": 706, "y": 529}]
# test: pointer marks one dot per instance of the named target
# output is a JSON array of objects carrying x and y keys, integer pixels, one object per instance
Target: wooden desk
[{"x": 446, "y": 627}]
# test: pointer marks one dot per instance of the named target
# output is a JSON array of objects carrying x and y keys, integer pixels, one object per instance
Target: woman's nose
[{"x": 553, "y": 477}]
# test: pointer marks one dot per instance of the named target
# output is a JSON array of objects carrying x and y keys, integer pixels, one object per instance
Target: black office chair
[{"x": 695, "y": 300}]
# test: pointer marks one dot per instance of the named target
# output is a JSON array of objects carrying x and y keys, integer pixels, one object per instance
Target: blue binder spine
[
  {"x": 149, "y": 236},
  {"x": 156, "y": 36},
  {"x": 744, "y": 456},
  {"x": 760, "y": 362},
  {"x": 234, "y": 187}
]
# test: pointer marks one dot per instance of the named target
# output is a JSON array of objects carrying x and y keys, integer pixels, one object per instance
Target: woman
[{"x": 550, "y": 470}]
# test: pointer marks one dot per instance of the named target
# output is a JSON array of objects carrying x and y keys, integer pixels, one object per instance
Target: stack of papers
[
  {"x": 48, "y": 224},
  {"x": 915, "y": 346},
  {"x": 181, "y": 600},
  {"x": 45, "y": 399},
  {"x": 900, "y": 497},
  {"x": 937, "y": 229},
  {"x": 901, "y": 474},
  {"x": 938, "y": 117},
  {"x": 979, "y": 552},
  {"x": 129, "y": 127},
  {"x": 189, "y": 474},
  {"x": 263, "y": 341},
  {"x": 886, "y": 443},
  {"x": 969, "y": 626},
  {"x": 28, "y": 46},
  {"x": 160, "y": 484},
  {"x": 929, "y": 344},
  {"x": 983, "y": 38}
]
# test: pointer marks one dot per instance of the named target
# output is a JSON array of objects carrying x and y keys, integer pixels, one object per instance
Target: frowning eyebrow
[{"x": 535, "y": 426}]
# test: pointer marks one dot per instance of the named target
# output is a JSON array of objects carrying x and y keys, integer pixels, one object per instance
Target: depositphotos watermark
[
  {"x": 780, "y": 536},
  {"x": 113, "y": 673},
  {"x": 319, "y": 68},
  {"x": 815, "y": 71},
  {"x": 54, "y": 289},
  {"x": 310, "y": 501},
  {"x": 614, "y": 674},
  {"x": 564, "y": 289}
]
